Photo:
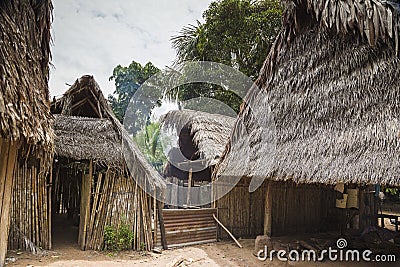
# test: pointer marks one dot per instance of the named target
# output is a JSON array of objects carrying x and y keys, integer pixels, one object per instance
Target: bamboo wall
[
  {"x": 242, "y": 212},
  {"x": 303, "y": 208},
  {"x": 31, "y": 204},
  {"x": 107, "y": 197},
  {"x": 294, "y": 209},
  {"x": 368, "y": 207}
]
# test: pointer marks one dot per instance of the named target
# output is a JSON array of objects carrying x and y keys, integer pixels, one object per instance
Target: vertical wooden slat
[
  {"x": 3, "y": 168},
  {"x": 85, "y": 206},
  {"x": 162, "y": 227},
  {"x": 188, "y": 202},
  {"x": 7, "y": 162},
  {"x": 50, "y": 208},
  {"x": 268, "y": 210},
  {"x": 155, "y": 218}
]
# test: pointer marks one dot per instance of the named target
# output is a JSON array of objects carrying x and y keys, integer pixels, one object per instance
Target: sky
[{"x": 94, "y": 36}]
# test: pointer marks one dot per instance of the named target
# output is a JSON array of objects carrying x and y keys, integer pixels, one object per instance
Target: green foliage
[
  {"x": 237, "y": 33},
  {"x": 124, "y": 237},
  {"x": 110, "y": 238},
  {"x": 118, "y": 238},
  {"x": 393, "y": 194},
  {"x": 149, "y": 143},
  {"x": 127, "y": 81}
]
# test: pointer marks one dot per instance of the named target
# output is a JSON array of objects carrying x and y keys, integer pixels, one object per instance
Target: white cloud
[{"x": 92, "y": 37}]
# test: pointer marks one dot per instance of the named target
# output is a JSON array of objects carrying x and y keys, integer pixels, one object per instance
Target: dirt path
[
  {"x": 191, "y": 256},
  {"x": 213, "y": 255}
]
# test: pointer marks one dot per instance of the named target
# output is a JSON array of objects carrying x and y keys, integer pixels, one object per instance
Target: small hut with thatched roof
[
  {"x": 91, "y": 176},
  {"x": 201, "y": 138},
  {"x": 332, "y": 82},
  {"x": 26, "y": 136}
]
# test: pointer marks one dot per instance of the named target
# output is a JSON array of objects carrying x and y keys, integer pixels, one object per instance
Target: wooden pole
[
  {"x": 7, "y": 165},
  {"x": 162, "y": 227},
  {"x": 188, "y": 202},
  {"x": 50, "y": 208},
  {"x": 94, "y": 211},
  {"x": 229, "y": 233},
  {"x": 4, "y": 148},
  {"x": 268, "y": 210},
  {"x": 155, "y": 219},
  {"x": 85, "y": 205}
]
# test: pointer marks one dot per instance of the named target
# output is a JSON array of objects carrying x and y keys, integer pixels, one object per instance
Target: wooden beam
[
  {"x": 94, "y": 108},
  {"x": 79, "y": 103},
  {"x": 95, "y": 97},
  {"x": 98, "y": 106},
  {"x": 268, "y": 210},
  {"x": 229, "y": 233},
  {"x": 188, "y": 202}
]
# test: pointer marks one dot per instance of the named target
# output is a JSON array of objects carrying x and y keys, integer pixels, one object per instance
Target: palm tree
[
  {"x": 149, "y": 143},
  {"x": 186, "y": 43}
]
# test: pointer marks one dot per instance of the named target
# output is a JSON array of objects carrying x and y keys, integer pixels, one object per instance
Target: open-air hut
[
  {"x": 96, "y": 169},
  {"x": 26, "y": 136},
  {"x": 332, "y": 81},
  {"x": 201, "y": 139}
]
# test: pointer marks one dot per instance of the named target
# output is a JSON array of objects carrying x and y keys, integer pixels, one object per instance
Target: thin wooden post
[
  {"x": 50, "y": 208},
  {"x": 268, "y": 210},
  {"x": 188, "y": 202},
  {"x": 155, "y": 219},
  {"x": 162, "y": 227},
  {"x": 7, "y": 164},
  {"x": 85, "y": 205}
]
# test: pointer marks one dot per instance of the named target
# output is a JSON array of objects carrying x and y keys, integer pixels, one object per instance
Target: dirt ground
[
  {"x": 215, "y": 254},
  {"x": 67, "y": 253}
]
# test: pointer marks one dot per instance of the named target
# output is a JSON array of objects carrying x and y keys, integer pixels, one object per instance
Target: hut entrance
[
  {"x": 181, "y": 179},
  {"x": 67, "y": 189}
]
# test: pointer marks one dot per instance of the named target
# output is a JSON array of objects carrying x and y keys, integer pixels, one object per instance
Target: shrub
[{"x": 118, "y": 238}]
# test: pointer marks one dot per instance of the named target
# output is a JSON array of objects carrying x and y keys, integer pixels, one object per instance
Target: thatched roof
[
  {"x": 24, "y": 71},
  {"x": 82, "y": 138},
  {"x": 209, "y": 132},
  {"x": 84, "y": 99},
  {"x": 86, "y": 129},
  {"x": 331, "y": 80}
]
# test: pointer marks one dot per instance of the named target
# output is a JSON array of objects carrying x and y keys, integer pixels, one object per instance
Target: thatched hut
[
  {"x": 202, "y": 138},
  {"x": 26, "y": 136},
  {"x": 92, "y": 177},
  {"x": 331, "y": 80}
]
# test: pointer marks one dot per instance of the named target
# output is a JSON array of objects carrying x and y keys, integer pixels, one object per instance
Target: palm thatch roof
[
  {"x": 24, "y": 71},
  {"x": 86, "y": 129},
  {"x": 209, "y": 132},
  {"x": 82, "y": 138},
  {"x": 331, "y": 80},
  {"x": 84, "y": 99}
]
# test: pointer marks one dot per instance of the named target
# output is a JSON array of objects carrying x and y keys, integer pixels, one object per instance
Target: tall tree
[
  {"x": 237, "y": 33},
  {"x": 127, "y": 81}
]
